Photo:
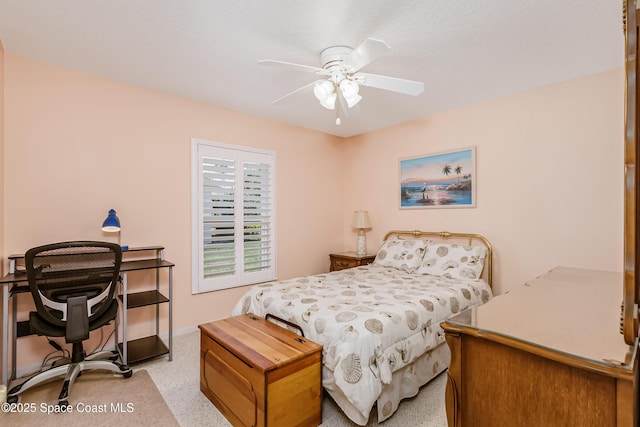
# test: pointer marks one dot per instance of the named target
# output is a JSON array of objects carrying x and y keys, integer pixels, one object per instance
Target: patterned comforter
[{"x": 371, "y": 320}]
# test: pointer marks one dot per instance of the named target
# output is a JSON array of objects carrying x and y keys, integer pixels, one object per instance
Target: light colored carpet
[
  {"x": 179, "y": 384},
  {"x": 97, "y": 399},
  {"x": 162, "y": 392}
]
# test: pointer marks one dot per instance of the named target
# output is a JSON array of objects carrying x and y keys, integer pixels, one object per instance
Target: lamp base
[{"x": 362, "y": 244}]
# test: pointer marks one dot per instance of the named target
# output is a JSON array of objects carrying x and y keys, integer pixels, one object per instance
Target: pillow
[
  {"x": 401, "y": 254},
  {"x": 453, "y": 261}
]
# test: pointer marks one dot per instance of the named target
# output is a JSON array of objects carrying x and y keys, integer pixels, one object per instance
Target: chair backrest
[{"x": 59, "y": 271}]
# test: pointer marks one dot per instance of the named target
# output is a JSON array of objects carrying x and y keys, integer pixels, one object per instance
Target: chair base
[{"x": 104, "y": 360}]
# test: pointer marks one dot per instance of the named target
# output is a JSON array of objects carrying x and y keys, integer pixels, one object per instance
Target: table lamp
[
  {"x": 361, "y": 221},
  {"x": 112, "y": 225}
]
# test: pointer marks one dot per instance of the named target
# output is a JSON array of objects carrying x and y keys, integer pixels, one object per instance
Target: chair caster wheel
[
  {"x": 12, "y": 399},
  {"x": 63, "y": 403},
  {"x": 128, "y": 374}
]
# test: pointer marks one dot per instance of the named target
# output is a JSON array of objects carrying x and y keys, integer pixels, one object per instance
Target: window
[{"x": 233, "y": 202}]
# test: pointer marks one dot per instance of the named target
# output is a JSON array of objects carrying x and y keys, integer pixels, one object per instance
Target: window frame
[{"x": 199, "y": 150}]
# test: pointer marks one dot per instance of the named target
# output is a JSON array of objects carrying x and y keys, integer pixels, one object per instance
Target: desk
[
  {"x": 548, "y": 353},
  {"x": 134, "y": 259}
]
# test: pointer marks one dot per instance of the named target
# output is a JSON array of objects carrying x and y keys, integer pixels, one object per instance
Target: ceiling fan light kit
[
  {"x": 325, "y": 92},
  {"x": 341, "y": 65}
]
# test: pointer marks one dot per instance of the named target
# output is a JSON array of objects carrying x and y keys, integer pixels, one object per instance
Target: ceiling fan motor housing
[{"x": 332, "y": 59}]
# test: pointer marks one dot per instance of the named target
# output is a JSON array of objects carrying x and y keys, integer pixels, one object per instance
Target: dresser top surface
[{"x": 569, "y": 311}]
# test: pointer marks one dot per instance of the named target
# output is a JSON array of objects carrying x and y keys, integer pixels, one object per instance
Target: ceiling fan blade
[
  {"x": 367, "y": 52},
  {"x": 292, "y": 66},
  {"x": 407, "y": 87},
  {"x": 295, "y": 91}
]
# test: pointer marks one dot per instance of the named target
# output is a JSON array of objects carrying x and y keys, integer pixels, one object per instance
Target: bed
[{"x": 379, "y": 324}]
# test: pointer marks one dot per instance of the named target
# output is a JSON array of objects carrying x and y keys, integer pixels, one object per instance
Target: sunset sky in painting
[{"x": 429, "y": 167}]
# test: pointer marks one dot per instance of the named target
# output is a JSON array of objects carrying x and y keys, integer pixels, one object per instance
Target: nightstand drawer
[
  {"x": 341, "y": 264},
  {"x": 341, "y": 261}
]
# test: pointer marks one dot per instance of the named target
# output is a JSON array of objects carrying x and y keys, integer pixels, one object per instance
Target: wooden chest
[{"x": 259, "y": 374}]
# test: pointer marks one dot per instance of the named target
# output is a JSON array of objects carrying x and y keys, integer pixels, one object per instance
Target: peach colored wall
[
  {"x": 549, "y": 169},
  {"x": 77, "y": 145},
  {"x": 549, "y": 176},
  {"x": 2, "y": 253}
]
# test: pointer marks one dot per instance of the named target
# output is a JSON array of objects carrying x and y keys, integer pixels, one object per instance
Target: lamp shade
[
  {"x": 361, "y": 220},
  {"x": 112, "y": 223},
  {"x": 325, "y": 92},
  {"x": 349, "y": 90}
]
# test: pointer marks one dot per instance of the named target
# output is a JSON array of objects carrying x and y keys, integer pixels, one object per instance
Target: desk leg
[
  {"x": 170, "y": 313},
  {"x": 117, "y": 320},
  {"x": 157, "y": 305},
  {"x": 124, "y": 318},
  {"x": 5, "y": 334},
  {"x": 14, "y": 336}
]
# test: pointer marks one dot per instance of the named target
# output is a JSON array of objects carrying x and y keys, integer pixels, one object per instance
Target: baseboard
[{"x": 164, "y": 335}]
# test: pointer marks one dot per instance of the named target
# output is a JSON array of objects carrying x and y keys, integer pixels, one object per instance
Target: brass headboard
[{"x": 488, "y": 262}]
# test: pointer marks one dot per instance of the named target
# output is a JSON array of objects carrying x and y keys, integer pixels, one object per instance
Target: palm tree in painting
[
  {"x": 458, "y": 171},
  {"x": 446, "y": 170}
]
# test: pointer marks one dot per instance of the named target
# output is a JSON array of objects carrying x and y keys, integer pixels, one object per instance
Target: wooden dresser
[
  {"x": 342, "y": 260},
  {"x": 546, "y": 354},
  {"x": 259, "y": 374}
]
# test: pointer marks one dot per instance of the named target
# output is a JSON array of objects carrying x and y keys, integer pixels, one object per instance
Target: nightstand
[{"x": 343, "y": 260}]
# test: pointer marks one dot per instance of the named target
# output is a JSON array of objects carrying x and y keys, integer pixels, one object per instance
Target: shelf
[
  {"x": 144, "y": 348},
  {"x": 141, "y": 299},
  {"x": 145, "y": 295},
  {"x": 144, "y": 264},
  {"x": 143, "y": 248}
]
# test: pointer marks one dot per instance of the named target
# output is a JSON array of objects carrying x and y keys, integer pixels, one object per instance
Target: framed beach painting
[{"x": 440, "y": 180}]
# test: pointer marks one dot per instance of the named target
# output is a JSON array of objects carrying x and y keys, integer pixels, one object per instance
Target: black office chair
[{"x": 74, "y": 289}]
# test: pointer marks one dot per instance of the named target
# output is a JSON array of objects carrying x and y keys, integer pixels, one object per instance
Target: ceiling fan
[{"x": 341, "y": 67}]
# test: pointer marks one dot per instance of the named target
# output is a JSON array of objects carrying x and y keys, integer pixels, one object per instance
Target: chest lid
[{"x": 258, "y": 342}]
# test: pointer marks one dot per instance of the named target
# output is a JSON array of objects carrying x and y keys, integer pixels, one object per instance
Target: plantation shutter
[{"x": 234, "y": 216}]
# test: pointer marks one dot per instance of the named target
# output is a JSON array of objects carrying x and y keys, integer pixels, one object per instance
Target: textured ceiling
[{"x": 207, "y": 50}]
